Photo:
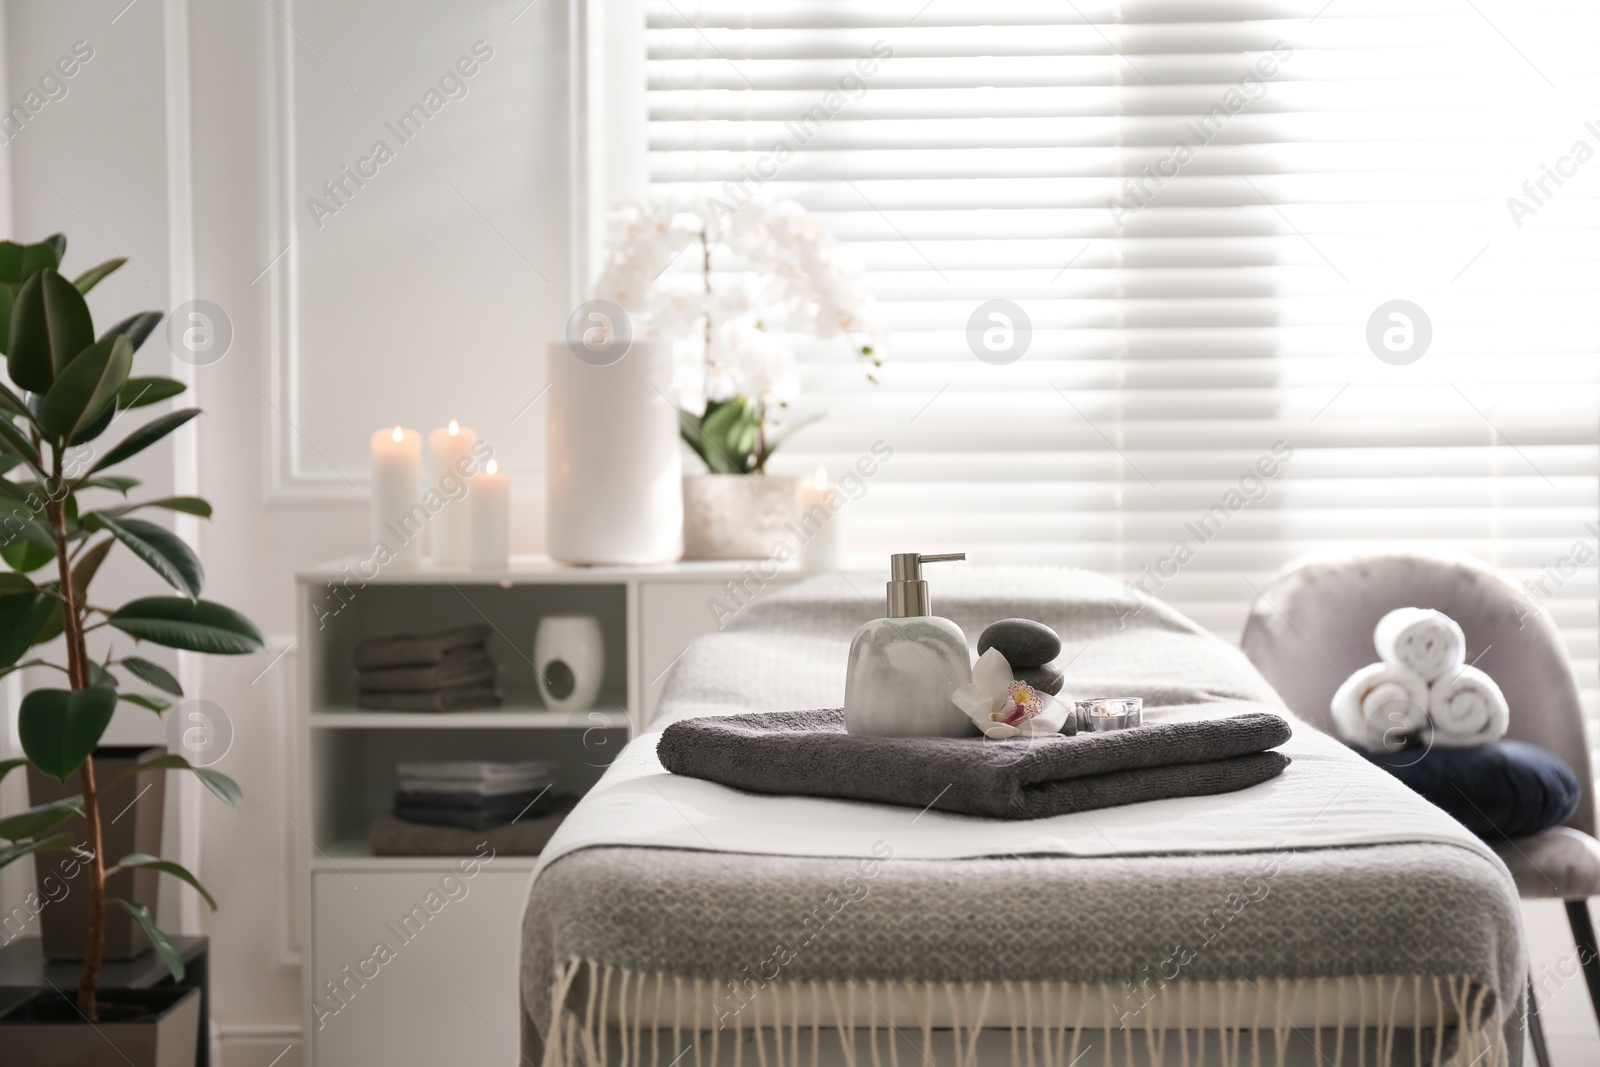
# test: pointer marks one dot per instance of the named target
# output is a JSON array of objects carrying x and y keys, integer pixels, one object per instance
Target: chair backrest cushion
[{"x": 1312, "y": 627}]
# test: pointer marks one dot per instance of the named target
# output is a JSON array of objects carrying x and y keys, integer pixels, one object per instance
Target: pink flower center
[{"x": 1021, "y": 704}]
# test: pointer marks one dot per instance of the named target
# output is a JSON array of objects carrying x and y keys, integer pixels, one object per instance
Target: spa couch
[{"x": 1327, "y": 916}]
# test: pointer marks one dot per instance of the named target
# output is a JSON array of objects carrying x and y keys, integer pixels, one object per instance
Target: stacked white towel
[
  {"x": 1467, "y": 710},
  {"x": 1422, "y": 688},
  {"x": 1381, "y": 707}
]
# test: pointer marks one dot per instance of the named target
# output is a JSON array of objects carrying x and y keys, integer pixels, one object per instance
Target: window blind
[{"x": 1200, "y": 217}]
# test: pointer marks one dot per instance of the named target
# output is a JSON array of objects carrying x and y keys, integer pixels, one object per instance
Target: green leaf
[
  {"x": 60, "y": 727},
  {"x": 220, "y": 784},
  {"x": 26, "y": 556},
  {"x": 94, "y": 427},
  {"x": 163, "y": 550},
  {"x": 153, "y": 674},
  {"x": 135, "y": 327},
  {"x": 148, "y": 703},
  {"x": 169, "y": 955},
  {"x": 141, "y": 859},
  {"x": 16, "y": 442},
  {"x": 10, "y": 402},
  {"x": 20, "y": 262},
  {"x": 22, "y": 617},
  {"x": 40, "y": 820},
  {"x": 189, "y": 505},
  {"x": 55, "y": 843},
  {"x": 95, "y": 275},
  {"x": 50, "y": 324},
  {"x": 86, "y": 387},
  {"x": 99, "y": 677},
  {"x": 9, "y": 765},
  {"x": 119, "y": 483},
  {"x": 141, "y": 391},
  {"x": 13, "y": 584},
  {"x": 193, "y": 625},
  {"x": 144, "y": 437},
  {"x": 87, "y": 567}
]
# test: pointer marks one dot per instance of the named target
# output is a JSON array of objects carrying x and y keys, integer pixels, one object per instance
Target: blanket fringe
[{"x": 605, "y": 1016}]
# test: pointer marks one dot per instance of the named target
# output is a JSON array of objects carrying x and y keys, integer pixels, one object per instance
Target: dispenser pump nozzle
[{"x": 908, "y": 593}]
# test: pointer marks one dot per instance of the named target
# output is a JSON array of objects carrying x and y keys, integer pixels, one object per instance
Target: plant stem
[{"x": 78, "y": 675}]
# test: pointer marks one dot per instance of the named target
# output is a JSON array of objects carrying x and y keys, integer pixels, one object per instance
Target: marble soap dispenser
[{"x": 904, "y": 668}]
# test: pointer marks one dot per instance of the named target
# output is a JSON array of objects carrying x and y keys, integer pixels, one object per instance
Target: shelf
[
  {"x": 501, "y": 719},
  {"x": 542, "y": 570},
  {"x": 354, "y": 857}
]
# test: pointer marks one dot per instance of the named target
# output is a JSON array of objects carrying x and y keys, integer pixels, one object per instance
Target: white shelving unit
[{"x": 448, "y": 993}]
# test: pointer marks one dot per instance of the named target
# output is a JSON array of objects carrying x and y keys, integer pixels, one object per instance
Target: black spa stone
[
  {"x": 1046, "y": 677},
  {"x": 1023, "y": 642}
]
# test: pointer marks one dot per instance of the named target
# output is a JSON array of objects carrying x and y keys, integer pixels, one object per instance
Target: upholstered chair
[{"x": 1311, "y": 627}]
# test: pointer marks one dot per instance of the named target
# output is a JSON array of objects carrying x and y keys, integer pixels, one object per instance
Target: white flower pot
[
  {"x": 613, "y": 465},
  {"x": 738, "y": 516}
]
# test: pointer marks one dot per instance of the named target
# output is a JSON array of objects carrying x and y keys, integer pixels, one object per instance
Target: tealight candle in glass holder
[{"x": 1109, "y": 713}]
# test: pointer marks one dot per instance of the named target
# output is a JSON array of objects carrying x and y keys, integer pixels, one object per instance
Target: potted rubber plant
[{"x": 64, "y": 511}]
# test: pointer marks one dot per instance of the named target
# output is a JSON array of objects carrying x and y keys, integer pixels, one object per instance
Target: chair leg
[
  {"x": 1541, "y": 1051},
  {"x": 1588, "y": 953}
]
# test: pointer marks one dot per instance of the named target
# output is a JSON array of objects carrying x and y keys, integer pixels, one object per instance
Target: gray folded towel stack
[
  {"x": 472, "y": 794},
  {"x": 449, "y": 671},
  {"x": 808, "y": 753}
]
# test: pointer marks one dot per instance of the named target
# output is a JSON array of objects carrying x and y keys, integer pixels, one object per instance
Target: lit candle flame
[
  {"x": 455, "y": 428},
  {"x": 399, "y": 434},
  {"x": 491, "y": 467},
  {"x": 820, "y": 479}
]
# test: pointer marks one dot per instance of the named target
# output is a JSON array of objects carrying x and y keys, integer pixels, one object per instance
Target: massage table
[{"x": 1328, "y": 916}]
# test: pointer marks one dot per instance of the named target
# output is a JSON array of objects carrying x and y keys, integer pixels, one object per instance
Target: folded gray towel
[
  {"x": 808, "y": 753},
  {"x": 392, "y": 836},
  {"x": 522, "y": 774},
  {"x": 473, "y": 667},
  {"x": 414, "y": 650},
  {"x": 481, "y": 696}
]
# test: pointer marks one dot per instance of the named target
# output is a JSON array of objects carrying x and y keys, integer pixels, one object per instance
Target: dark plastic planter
[
  {"x": 137, "y": 1028},
  {"x": 131, "y": 812}
]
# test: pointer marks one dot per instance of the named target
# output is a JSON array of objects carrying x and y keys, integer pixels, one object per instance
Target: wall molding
[{"x": 286, "y": 477}]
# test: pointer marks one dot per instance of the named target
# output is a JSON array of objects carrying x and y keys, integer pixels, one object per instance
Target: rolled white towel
[
  {"x": 1381, "y": 705},
  {"x": 1467, "y": 710},
  {"x": 1426, "y": 641}
]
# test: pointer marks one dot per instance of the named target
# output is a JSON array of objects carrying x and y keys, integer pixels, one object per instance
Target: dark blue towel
[{"x": 1503, "y": 789}]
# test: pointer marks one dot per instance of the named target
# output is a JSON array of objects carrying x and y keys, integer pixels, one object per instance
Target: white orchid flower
[{"x": 1003, "y": 707}]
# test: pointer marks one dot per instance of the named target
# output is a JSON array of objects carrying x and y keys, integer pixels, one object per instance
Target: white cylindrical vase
[{"x": 614, "y": 470}]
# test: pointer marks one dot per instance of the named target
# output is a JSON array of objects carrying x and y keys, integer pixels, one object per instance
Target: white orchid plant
[
  {"x": 762, "y": 272},
  {"x": 1003, "y": 707}
]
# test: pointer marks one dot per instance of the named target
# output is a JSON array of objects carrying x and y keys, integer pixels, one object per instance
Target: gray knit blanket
[{"x": 659, "y": 950}]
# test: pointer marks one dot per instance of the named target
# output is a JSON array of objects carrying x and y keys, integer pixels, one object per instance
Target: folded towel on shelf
[
  {"x": 419, "y": 650},
  {"x": 393, "y": 836},
  {"x": 494, "y": 811},
  {"x": 1381, "y": 706},
  {"x": 1427, "y": 642},
  {"x": 528, "y": 801},
  {"x": 809, "y": 753},
  {"x": 468, "y": 668},
  {"x": 465, "y": 699},
  {"x": 506, "y": 776},
  {"x": 1467, "y": 710}
]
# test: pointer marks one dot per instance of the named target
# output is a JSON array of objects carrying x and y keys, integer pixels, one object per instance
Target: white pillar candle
[
  {"x": 449, "y": 456},
  {"x": 489, "y": 495},
  {"x": 396, "y": 491},
  {"x": 821, "y": 527}
]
